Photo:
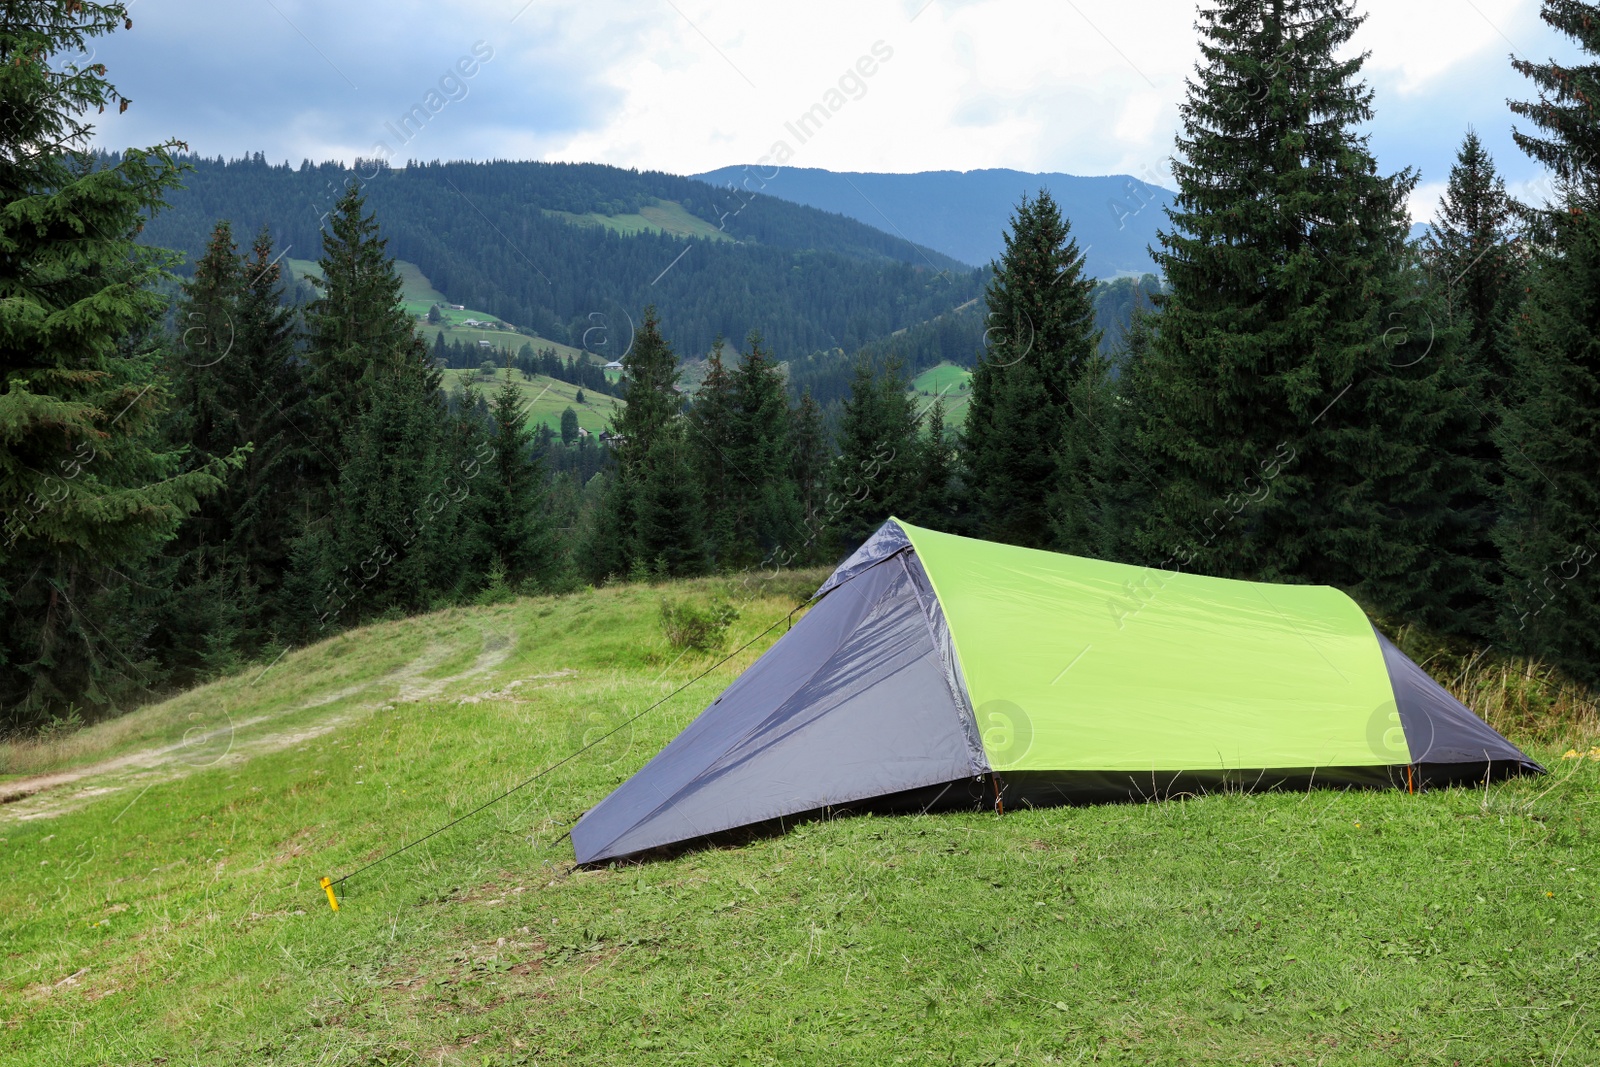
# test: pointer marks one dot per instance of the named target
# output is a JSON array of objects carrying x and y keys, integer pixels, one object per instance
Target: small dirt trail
[{"x": 43, "y": 796}]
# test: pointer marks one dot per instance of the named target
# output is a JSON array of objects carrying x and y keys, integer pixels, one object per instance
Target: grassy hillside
[
  {"x": 163, "y": 908},
  {"x": 418, "y": 294},
  {"x": 662, "y": 216},
  {"x": 946, "y": 382},
  {"x": 546, "y": 398}
]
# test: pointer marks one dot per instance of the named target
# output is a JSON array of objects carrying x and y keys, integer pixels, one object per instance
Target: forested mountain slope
[
  {"x": 562, "y": 248},
  {"x": 963, "y": 213}
]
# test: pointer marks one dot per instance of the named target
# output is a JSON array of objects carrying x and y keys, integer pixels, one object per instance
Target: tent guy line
[{"x": 328, "y": 884}]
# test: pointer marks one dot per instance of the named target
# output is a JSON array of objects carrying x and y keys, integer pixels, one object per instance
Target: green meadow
[
  {"x": 418, "y": 294},
  {"x": 662, "y": 216},
  {"x": 946, "y": 382},
  {"x": 163, "y": 907},
  {"x": 545, "y": 398}
]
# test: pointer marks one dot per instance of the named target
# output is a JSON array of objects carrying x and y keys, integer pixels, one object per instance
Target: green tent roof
[{"x": 1079, "y": 664}]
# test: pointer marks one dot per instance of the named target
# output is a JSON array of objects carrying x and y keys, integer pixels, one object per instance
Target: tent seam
[{"x": 955, "y": 680}]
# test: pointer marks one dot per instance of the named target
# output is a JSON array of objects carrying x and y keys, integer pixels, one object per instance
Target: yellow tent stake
[{"x": 327, "y": 887}]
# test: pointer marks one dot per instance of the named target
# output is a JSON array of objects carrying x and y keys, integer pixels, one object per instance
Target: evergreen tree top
[
  {"x": 1568, "y": 106},
  {"x": 48, "y": 88}
]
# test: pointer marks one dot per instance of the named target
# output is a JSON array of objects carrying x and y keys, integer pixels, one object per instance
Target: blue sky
[{"x": 1075, "y": 86}]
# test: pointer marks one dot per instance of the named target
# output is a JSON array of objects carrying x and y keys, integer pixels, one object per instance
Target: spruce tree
[
  {"x": 385, "y": 492},
  {"x": 1099, "y": 505},
  {"x": 1082, "y": 502},
  {"x": 808, "y": 467},
  {"x": 669, "y": 525},
  {"x": 391, "y": 540},
  {"x": 935, "y": 504},
  {"x": 1474, "y": 268},
  {"x": 1470, "y": 255},
  {"x": 86, "y": 487},
  {"x": 876, "y": 472},
  {"x": 1290, "y": 424},
  {"x": 355, "y": 327},
  {"x": 710, "y": 420},
  {"x": 764, "y": 510},
  {"x": 1041, "y": 337},
  {"x": 651, "y": 370},
  {"x": 1548, "y": 534},
  {"x": 240, "y": 386},
  {"x": 509, "y": 497},
  {"x": 1569, "y": 93},
  {"x": 655, "y": 476},
  {"x": 267, "y": 499}
]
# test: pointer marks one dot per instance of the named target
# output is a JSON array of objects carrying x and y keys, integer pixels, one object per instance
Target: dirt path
[{"x": 42, "y": 796}]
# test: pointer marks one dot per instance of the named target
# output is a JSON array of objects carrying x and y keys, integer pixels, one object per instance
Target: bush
[{"x": 701, "y": 629}]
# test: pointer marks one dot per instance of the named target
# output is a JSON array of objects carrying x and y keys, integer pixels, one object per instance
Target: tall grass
[{"x": 1526, "y": 699}]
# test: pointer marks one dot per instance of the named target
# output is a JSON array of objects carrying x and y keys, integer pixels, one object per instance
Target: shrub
[{"x": 701, "y": 629}]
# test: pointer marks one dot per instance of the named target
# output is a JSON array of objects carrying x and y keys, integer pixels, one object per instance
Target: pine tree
[
  {"x": 1565, "y": 112},
  {"x": 87, "y": 491},
  {"x": 710, "y": 420},
  {"x": 668, "y": 537},
  {"x": 935, "y": 504},
  {"x": 391, "y": 540},
  {"x": 241, "y": 383},
  {"x": 1470, "y": 254},
  {"x": 1548, "y": 534},
  {"x": 1041, "y": 338},
  {"x": 356, "y": 326},
  {"x": 875, "y": 475},
  {"x": 1288, "y": 428},
  {"x": 655, "y": 477},
  {"x": 808, "y": 467},
  {"x": 764, "y": 510},
  {"x": 379, "y": 454},
  {"x": 509, "y": 497}
]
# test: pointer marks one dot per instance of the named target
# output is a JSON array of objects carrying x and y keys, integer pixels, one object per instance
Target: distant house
[
  {"x": 456, "y": 307},
  {"x": 582, "y": 432},
  {"x": 608, "y": 438},
  {"x": 471, "y": 322},
  {"x": 485, "y": 344},
  {"x": 613, "y": 365}
]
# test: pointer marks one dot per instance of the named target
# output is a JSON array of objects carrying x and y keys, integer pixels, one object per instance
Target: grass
[
  {"x": 177, "y": 919},
  {"x": 662, "y": 216},
  {"x": 546, "y": 398},
  {"x": 948, "y": 382}
]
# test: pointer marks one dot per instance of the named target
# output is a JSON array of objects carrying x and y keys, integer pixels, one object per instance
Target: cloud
[
  {"x": 1090, "y": 87},
  {"x": 297, "y": 79}
]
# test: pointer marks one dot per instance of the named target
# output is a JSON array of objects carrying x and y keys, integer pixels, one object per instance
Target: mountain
[
  {"x": 964, "y": 213},
  {"x": 573, "y": 252}
]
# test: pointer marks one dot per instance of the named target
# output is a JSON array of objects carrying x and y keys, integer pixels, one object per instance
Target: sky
[{"x": 685, "y": 86}]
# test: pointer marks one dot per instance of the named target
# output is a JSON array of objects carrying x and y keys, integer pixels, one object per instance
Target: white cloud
[
  {"x": 1088, "y": 87},
  {"x": 1413, "y": 43},
  {"x": 1424, "y": 201}
]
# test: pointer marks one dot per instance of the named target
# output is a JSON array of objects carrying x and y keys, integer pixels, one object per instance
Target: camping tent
[{"x": 935, "y": 670}]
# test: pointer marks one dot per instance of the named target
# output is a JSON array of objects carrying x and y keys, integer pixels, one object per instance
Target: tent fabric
[
  {"x": 1439, "y": 729},
  {"x": 936, "y": 672},
  {"x": 1058, "y": 650},
  {"x": 852, "y": 703},
  {"x": 886, "y": 541}
]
